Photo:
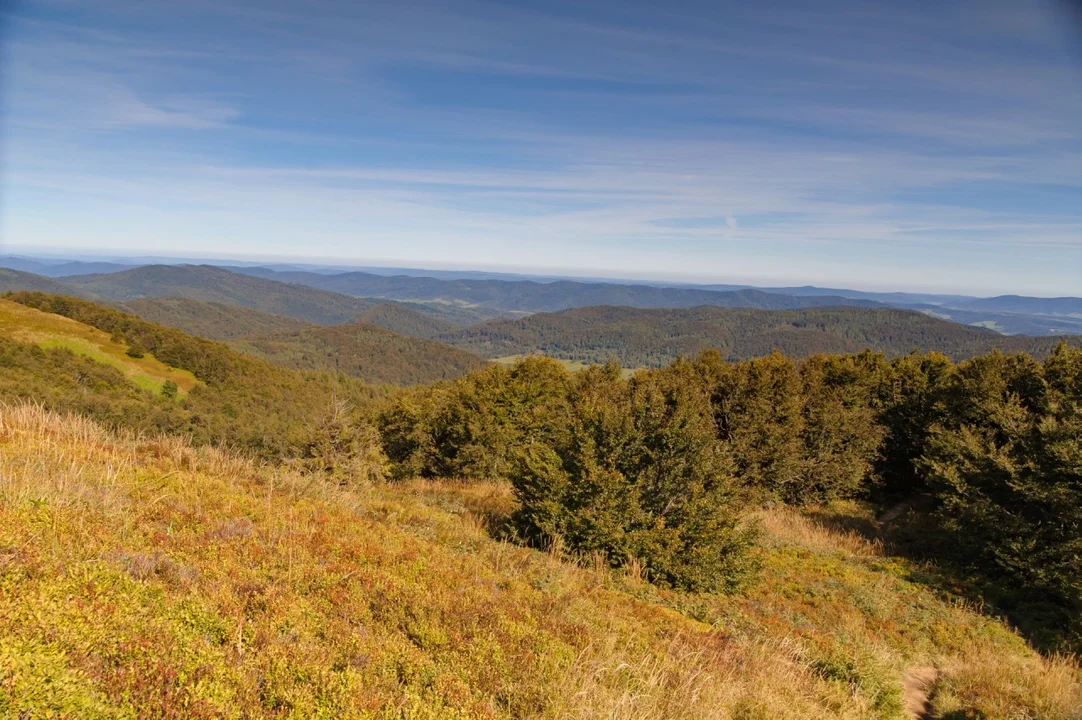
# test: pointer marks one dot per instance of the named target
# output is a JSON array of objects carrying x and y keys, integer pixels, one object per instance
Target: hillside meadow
[{"x": 143, "y": 577}]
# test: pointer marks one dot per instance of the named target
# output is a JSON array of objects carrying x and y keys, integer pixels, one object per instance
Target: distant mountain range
[
  {"x": 527, "y": 296},
  {"x": 653, "y": 337},
  {"x": 427, "y": 306}
]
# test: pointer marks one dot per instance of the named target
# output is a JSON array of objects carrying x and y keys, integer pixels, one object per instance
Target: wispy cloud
[{"x": 862, "y": 139}]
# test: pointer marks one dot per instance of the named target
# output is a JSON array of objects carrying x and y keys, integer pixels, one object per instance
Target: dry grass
[
  {"x": 140, "y": 577},
  {"x": 783, "y": 526},
  {"x": 986, "y": 683}
]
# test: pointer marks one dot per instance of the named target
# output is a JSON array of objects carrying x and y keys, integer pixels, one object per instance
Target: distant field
[
  {"x": 53, "y": 331},
  {"x": 569, "y": 365}
]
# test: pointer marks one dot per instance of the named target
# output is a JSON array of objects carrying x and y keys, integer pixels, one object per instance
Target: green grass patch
[
  {"x": 53, "y": 331},
  {"x": 569, "y": 365}
]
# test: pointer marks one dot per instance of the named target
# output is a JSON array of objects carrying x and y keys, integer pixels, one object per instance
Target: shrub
[
  {"x": 1007, "y": 468},
  {"x": 638, "y": 474},
  {"x": 840, "y": 432},
  {"x": 471, "y": 428},
  {"x": 344, "y": 449},
  {"x": 756, "y": 409}
]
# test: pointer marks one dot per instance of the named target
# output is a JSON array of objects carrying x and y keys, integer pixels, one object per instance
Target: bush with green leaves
[
  {"x": 471, "y": 427},
  {"x": 1006, "y": 466},
  {"x": 638, "y": 472},
  {"x": 840, "y": 432}
]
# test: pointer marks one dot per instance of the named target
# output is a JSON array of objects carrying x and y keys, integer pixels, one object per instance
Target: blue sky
[{"x": 904, "y": 145}]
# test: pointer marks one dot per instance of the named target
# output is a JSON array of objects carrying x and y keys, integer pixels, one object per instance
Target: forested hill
[
  {"x": 213, "y": 284},
  {"x": 364, "y": 351},
  {"x": 531, "y": 296},
  {"x": 649, "y": 337},
  {"x": 18, "y": 280},
  {"x": 211, "y": 320},
  {"x": 95, "y": 366},
  {"x": 406, "y": 321}
]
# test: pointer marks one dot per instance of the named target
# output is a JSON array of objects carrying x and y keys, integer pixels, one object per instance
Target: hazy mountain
[
  {"x": 212, "y": 284},
  {"x": 530, "y": 296},
  {"x": 16, "y": 280},
  {"x": 1022, "y": 304},
  {"x": 60, "y": 268},
  {"x": 651, "y": 337},
  {"x": 888, "y": 298},
  {"x": 1007, "y": 323}
]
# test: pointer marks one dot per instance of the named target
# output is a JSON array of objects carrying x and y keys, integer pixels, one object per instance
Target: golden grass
[{"x": 141, "y": 577}]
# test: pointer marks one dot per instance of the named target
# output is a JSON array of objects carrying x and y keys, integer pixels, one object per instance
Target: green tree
[
  {"x": 1007, "y": 469},
  {"x": 135, "y": 349},
  {"x": 911, "y": 400},
  {"x": 169, "y": 389},
  {"x": 473, "y": 427},
  {"x": 639, "y": 473},
  {"x": 344, "y": 448},
  {"x": 840, "y": 432},
  {"x": 756, "y": 407}
]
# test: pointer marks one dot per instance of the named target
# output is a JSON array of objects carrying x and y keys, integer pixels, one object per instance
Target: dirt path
[{"x": 917, "y": 691}]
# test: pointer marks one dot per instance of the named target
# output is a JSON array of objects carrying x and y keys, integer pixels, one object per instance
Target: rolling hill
[
  {"x": 653, "y": 337},
  {"x": 212, "y": 284},
  {"x": 80, "y": 356},
  {"x": 406, "y": 321},
  {"x": 211, "y": 320},
  {"x": 361, "y": 350},
  {"x": 49, "y": 331},
  {"x": 144, "y": 577},
  {"x": 18, "y": 280}
]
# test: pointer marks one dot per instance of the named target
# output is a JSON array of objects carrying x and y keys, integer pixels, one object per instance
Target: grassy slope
[
  {"x": 147, "y": 578},
  {"x": 241, "y": 401},
  {"x": 211, "y": 320},
  {"x": 363, "y": 351},
  {"x": 637, "y": 337},
  {"x": 28, "y": 325}
]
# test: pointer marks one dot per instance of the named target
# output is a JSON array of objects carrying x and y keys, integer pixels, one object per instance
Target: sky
[{"x": 928, "y": 145}]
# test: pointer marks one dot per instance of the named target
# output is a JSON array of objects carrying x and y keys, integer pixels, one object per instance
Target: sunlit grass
[
  {"x": 54, "y": 331},
  {"x": 141, "y": 577}
]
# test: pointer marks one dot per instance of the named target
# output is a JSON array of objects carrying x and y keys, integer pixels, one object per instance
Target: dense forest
[
  {"x": 211, "y": 320},
  {"x": 651, "y": 338},
  {"x": 405, "y": 320},
  {"x": 363, "y": 351}
]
